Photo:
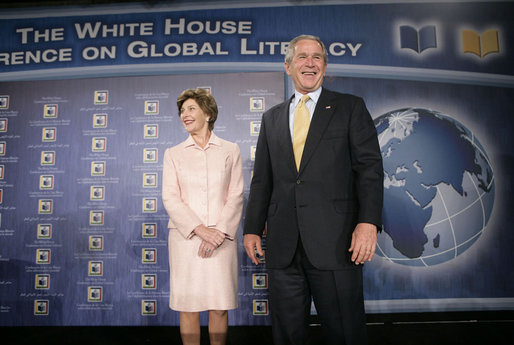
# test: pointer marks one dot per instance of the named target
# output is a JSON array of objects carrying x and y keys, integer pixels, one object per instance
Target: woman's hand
[
  {"x": 206, "y": 249},
  {"x": 210, "y": 235}
]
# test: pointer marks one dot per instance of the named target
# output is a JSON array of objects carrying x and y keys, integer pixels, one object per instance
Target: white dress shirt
[{"x": 310, "y": 104}]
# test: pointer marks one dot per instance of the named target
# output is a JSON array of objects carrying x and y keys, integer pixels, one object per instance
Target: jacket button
[{"x": 298, "y": 181}]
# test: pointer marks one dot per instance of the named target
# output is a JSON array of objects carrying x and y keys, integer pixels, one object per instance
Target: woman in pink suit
[{"x": 203, "y": 194}]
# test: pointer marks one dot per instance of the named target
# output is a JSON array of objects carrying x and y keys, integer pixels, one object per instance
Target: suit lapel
[
  {"x": 284, "y": 134},
  {"x": 323, "y": 113}
]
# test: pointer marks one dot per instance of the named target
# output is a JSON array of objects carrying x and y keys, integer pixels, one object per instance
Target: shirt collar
[
  {"x": 314, "y": 96},
  {"x": 213, "y": 140}
]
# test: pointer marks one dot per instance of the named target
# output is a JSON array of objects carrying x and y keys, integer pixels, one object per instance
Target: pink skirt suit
[{"x": 202, "y": 186}]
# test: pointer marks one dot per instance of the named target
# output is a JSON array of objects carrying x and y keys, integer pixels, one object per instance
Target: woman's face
[{"x": 193, "y": 118}]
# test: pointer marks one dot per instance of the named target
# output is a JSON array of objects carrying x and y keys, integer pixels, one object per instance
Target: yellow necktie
[{"x": 300, "y": 128}]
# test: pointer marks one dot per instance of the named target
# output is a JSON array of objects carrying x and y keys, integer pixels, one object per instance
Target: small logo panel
[
  {"x": 47, "y": 158},
  {"x": 96, "y": 243},
  {"x": 151, "y": 131},
  {"x": 260, "y": 307},
  {"x": 149, "y": 256},
  {"x": 43, "y": 256},
  {"x": 150, "y": 180},
  {"x": 256, "y": 103},
  {"x": 99, "y": 120},
  {"x": 48, "y": 134},
  {"x": 97, "y": 193},
  {"x": 101, "y": 97},
  {"x": 150, "y": 155},
  {"x": 252, "y": 152},
  {"x": 151, "y": 107},
  {"x": 50, "y": 111},
  {"x": 94, "y": 294},
  {"x": 255, "y": 128},
  {"x": 42, "y": 282},
  {"x": 4, "y": 102},
  {"x": 148, "y": 307},
  {"x": 260, "y": 280},
  {"x": 95, "y": 268},
  {"x": 46, "y": 182},
  {"x": 41, "y": 307},
  {"x": 98, "y": 144},
  {"x": 45, "y": 206},
  {"x": 149, "y": 205},
  {"x": 44, "y": 231},
  {"x": 149, "y": 230},
  {"x": 3, "y": 125},
  {"x": 96, "y": 217},
  {"x": 148, "y": 281},
  {"x": 97, "y": 168}
]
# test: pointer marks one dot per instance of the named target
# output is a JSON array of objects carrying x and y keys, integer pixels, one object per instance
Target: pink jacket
[{"x": 203, "y": 186}]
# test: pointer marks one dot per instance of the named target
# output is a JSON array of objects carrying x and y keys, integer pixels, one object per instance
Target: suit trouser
[{"x": 337, "y": 295}]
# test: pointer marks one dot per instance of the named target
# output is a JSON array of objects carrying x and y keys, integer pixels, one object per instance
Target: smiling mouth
[{"x": 309, "y": 73}]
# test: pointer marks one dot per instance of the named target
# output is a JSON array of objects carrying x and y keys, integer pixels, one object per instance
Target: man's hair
[
  {"x": 290, "y": 48},
  {"x": 205, "y": 101}
]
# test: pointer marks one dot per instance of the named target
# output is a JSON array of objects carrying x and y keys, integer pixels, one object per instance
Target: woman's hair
[{"x": 205, "y": 101}]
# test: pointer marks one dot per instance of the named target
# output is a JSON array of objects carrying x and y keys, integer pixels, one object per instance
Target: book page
[
  {"x": 470, "y": 42},
  {"x": 489, "y": 41}
]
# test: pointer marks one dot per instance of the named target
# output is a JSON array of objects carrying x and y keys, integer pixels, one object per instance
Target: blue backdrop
[{"x": 87, "y": 108}]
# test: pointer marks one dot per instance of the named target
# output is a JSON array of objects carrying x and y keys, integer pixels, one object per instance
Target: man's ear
[{"x": 286, "y": 67}]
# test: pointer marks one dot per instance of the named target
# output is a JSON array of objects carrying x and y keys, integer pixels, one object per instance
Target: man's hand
[
  {"x": 364, "y": 243},
  {"x": 252, "y": 242}
]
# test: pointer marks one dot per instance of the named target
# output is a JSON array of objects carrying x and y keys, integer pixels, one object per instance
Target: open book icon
[
  {"x": 418, "y": 41},
  {"x": 480, "y": 45}
]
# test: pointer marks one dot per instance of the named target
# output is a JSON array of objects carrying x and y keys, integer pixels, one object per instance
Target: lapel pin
[{"x": 328, "y": 107}]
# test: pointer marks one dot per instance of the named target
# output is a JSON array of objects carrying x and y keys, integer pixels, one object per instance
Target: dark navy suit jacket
[{"x": 339, "y": 183}]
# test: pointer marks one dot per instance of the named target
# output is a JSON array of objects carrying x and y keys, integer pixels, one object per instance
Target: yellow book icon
[{"x": 480, "y": 45}]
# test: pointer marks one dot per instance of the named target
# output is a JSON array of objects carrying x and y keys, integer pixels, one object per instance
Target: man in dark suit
[{"x": 319, "y": 196}]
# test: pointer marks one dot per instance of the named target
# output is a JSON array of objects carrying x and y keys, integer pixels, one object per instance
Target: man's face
[{"x": 307, "y": 68}]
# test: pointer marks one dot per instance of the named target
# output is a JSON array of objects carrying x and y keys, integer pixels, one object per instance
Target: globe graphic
[{"x": 438, "y": 187}]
